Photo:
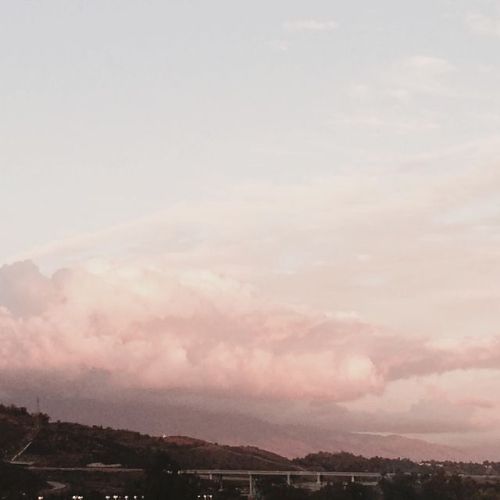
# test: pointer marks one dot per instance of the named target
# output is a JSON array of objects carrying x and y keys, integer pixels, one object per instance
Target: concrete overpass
[{"x": 318, "y": 477}]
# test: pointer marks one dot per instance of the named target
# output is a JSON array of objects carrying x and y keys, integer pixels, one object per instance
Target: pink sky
[
  {"x": 288, "y": 210},
  {"x": 237, "y": 307}
]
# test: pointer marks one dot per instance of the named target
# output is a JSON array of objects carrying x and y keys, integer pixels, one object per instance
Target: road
[
  {"x": 286, "y": 473},
  {"x": 244, "y": 473}
]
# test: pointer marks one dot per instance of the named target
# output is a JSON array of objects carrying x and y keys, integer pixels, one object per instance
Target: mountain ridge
[{"x": 251, "y": 442}]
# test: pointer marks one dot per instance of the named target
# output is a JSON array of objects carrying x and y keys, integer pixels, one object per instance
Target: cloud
[
  {"x": 430, "y": 64},
  {"x": 429, "y": 234},
  {"x": 190, "y": 331},
  {"x": 279, "y": 45},
  {"x": 380, "y": 279},
  {"x": 23, "y": 290},
  {"x": 379, "y": 121},
  {"x": 156, "y": 329},
  {"x": 416, "y": 76},
  {"x": 482, "y": 24},
  {"x": 421, "y": 74},
  {"x": 310, "y": 25}
]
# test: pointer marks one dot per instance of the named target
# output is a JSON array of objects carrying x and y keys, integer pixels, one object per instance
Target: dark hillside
[
  {"x": 215, "y": 456},
  {"x": 15, "y": 480},
  {"x": 16, "y": 426},
  {"x": 344, "y": 461},
  {"x": 74, "y": 445}
]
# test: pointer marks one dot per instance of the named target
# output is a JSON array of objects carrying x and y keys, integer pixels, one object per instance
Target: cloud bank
[
  {"x": 383, "y": 286},
  {"x": 156, "y": 330},
  {"x": 311, "y": 25}
]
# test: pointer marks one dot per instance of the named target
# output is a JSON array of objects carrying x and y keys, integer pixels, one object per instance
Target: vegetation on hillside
[
  {"x": 438, "y": 486},
  {"x": 159, "y": 461},
  {"x": 16, "y": 482},
  {"x": 344, "y": 461},
  {"x": 15, "y": 425},
  {"x": 75, "y": 445}
]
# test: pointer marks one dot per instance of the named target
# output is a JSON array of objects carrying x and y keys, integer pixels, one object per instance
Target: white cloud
[
  {"x": 279, "y": 45},
  {"x": 429, "y": 64},
  {"x": 379, "y": 121},
  {"x": 398, "y": 83},
  {"x": 421, "y": 74},
  {"x": 482, "y": 24},
  {"x": 310, "y": 25}
]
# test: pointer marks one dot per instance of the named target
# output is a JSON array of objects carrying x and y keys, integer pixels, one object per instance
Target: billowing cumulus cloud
[
  {"x": 24, "y": 291},
  {"x": 151, "y": 329},
  {"x": 334, "y": 303},
  {"x": 154, "y": 329}
]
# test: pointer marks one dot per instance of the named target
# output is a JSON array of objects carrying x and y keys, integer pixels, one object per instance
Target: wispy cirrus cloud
[
  {"x": 310, "y": 25},
  {"x": 482, "y": 24},
  {"x": 421, "y": 75},
  {"x": 381, "y": 103},
  {"x": 429, "y": 64},
  {"x": 279, "y": 45}
]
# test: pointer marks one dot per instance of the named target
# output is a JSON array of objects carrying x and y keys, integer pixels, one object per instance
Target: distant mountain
[
  {"x": 244, "y": 436},
  {"x": 294, "y": 440},
  {"x": 58, "y": 450}
]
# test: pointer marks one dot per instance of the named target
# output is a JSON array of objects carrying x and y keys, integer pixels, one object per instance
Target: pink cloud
[
  {"x": 154, "y": 329},
  {"x": 149, "y": 329}
]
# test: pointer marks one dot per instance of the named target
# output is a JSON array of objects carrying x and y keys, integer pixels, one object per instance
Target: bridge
[
  {"x": 318, "y": 477},
  {"x": 369, "y": 478},
  {"x": 314, "y": 478}
]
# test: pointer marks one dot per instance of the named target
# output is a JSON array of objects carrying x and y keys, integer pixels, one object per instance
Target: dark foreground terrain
[{"x": 60, "y": 460}]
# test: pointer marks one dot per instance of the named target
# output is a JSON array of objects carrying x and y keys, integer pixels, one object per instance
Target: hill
[
  {"x": 62, "y": 444},
  {"x": 15, "y": 426},
  {"x": 70, "y": 445},
  {"x": 237, "y": 429},
  {"x": 15, "y": 480}
]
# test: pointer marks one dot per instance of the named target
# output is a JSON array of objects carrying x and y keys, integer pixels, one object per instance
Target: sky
[{"x": 288, "y": 209}]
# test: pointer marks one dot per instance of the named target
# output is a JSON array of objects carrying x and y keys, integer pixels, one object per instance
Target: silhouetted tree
[
  {"x": 399, "y": 487},
  {"x": 162, "y": 481},
  {"x": 341, "y": 491}
]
